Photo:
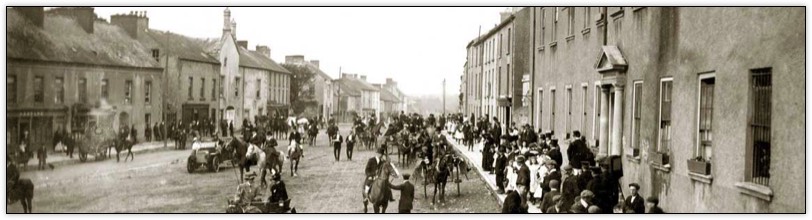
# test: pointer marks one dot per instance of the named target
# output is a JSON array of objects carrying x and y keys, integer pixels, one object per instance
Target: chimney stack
[
  {"x": 233, "y": 29},
  {"x": 34, "y": 14},
  {"x": 243, "y": 44},
  {"x": 295, "y": 59},
  {"x": 226, "y": 21},
  {"x": 364, "y": 78},
  {"x": 84, "y": 16},
  {"x": 132, "y": 23},
  {"x": 315, "y": 63},
  {"x": 264, "y": 50}
]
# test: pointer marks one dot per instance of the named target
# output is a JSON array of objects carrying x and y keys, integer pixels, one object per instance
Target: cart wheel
[
  {"x": 83, "y": 156},
  {"x": 191, "y": 165},
  {"x": 214, "y": 165}
]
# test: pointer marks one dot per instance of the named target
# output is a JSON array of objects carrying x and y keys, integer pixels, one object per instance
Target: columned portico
[
  {"x": 617, "y": 119},
  {"x": 612, "y": 67},
  {"x": 603, "y": 137}
]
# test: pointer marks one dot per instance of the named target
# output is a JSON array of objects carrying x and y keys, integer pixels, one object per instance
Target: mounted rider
[{"x": 371, "y": 171}]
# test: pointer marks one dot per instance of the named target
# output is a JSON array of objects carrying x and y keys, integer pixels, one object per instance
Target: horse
[
  {"x": 22, "y": 190},
  {"x": 238, "y": 149},
  {"x": 444, "y": 168},
  {"x": 295, "y": 152},
  {"x": 274, "y": 160},
  {"x": 312, "y": 132},
  {"x": 404, "y": 153},
  {"x": 124, "y": 142},
  {"x": 379, "y": 193}
]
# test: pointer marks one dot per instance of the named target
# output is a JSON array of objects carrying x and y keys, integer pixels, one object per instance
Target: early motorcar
[{"x": 207, "y": 153}]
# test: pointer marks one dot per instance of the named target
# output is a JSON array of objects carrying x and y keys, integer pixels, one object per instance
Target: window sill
[
  {"x": 600, "y": 23},
  {"x": 701, "y": 178},
  {"x": 585, "y": 31},
  {"x": 665, "y": 168},
  {"x": 617, "y": 15},
  {"x": 633, "y": 159},
  {"x": 570, "y": 38},
  {"x": 540, "y": 48},
  {"x": 553, "y": 44},
  {"x": 755, "y": 190},
  {"x": 635, "y": 9}
]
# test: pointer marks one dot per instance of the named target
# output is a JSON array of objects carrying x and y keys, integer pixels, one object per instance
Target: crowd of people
[{"x": 531, "y": 170}]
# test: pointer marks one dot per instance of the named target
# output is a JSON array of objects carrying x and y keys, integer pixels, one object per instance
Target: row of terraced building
[{"x": 641, "y": 83}]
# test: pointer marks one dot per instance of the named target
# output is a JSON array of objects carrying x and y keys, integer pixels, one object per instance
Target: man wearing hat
[
  {"x": 555, "y": 152},
  {"x": 577, "y": 152},
  {"x": 406, "y": 194},
  {"x": 523, "y": 178},
  {"x": 499, "y": 166},
  {"x": 552, "y": 174},
  {"x": 583, "y": 202},
  {"x": 246, "y": 191},
  {"x": 547, "y": 201},
  {"x": 279, "y": 193},
  {"x": 634, "y": 202},
  {"x": 569, "y": 186},
  {"x": 558, "y": 207}
]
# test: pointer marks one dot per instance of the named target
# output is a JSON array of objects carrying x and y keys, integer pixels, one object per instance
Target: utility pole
[{"x": 443, "y": 96}]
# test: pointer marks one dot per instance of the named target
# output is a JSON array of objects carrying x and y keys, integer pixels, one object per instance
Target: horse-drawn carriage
[
  {"x": 99, "y": 135},
  {"x": 259, "y": 206},
  {"x": 210, "y": 154}
]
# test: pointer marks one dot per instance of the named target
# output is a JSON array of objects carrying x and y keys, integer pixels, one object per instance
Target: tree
[{"x": 302, "y": 88}]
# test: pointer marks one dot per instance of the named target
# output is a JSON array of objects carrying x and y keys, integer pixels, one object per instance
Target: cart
[{"x": 99, "y": 135}]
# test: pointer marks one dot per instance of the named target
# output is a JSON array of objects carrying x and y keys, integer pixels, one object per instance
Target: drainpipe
[
  {"x": 605, "y": 23},
  {"x": 533, "y": 72}
]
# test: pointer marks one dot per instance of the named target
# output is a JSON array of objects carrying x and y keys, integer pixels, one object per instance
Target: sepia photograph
[{"x": 468, "y": 110}]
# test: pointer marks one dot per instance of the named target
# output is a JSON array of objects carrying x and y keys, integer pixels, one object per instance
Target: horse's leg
[
  {"x": 130, "y": 153},
  {"x": 365, "y": 206}
]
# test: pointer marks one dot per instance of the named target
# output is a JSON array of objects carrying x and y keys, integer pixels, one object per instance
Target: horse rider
[{"x": 373, "y": 166}]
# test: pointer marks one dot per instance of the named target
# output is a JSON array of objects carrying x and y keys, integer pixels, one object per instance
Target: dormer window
[{"x": 156, "y": 54}]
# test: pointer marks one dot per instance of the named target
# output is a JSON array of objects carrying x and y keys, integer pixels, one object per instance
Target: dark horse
[
  {"x": 238, "y": 149},
  {"x": 22, "y": 190},
  {"x": 380, "y": 194},
  {"x": 444, "y": 167},
  {"x": 124, "y": 142}
]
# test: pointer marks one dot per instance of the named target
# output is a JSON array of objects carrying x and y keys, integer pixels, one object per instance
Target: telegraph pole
[{"x": 443, "y": 96}]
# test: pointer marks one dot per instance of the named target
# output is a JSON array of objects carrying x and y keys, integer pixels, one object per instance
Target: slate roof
[
  {"x": 179, "y": 45},
  {"x": 62, "y": 40},
  {"x": 388, "y": 96},
  {"x": 257, "y": 60},
  {"x": 347, "y": 87}
]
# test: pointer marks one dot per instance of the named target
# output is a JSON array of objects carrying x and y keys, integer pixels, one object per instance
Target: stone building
[
  {"x": 640, "y": 83},
  {"x": 489, "y": 73},
  {"x": 188, "y": 67},
  {"x": 253, "y": 84},
  {"x": 63, "y": 62},
  {"x": 358, "y": 96}
]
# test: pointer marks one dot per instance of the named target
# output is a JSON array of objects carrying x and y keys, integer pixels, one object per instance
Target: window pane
[
  {"x": 760, "y": 127},
  {"x": 39, "y": 89}
]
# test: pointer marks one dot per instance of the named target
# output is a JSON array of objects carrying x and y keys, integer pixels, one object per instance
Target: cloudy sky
[{"x": 415, "y": 46}]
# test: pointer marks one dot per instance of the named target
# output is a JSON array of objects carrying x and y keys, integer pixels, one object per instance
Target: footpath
[
  {"x": 475, "y": 157},
  {"x": 60, "y": 158}
]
